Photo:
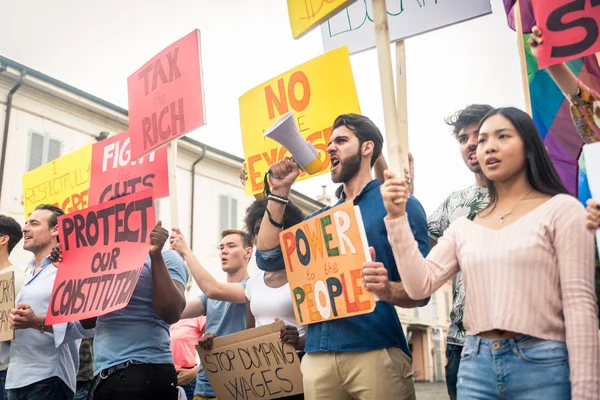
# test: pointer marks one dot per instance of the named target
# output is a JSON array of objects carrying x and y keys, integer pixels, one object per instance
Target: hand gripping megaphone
[{"x": 286, "y": 133}]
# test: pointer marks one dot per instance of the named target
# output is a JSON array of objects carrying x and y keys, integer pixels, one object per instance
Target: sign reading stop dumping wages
[
  {"x": 317, "y": 91},
  {"x": 104, "y": 249},
  {"x": 115, "y": 172},
  {"x": 166, "y": 96},
  {"x": 571, "y": 29},
  {"x": 323, "y": 257},
  {"x": 63, "y": 182}
]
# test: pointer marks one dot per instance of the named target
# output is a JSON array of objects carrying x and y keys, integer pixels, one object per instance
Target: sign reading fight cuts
[
  {"x": 317, "y": 91},
  {"x": 104, "y": 248},
  {"x": 165, "y": 96},
  {"x": 252, "y": 364},
  {"x": 63, "y": 182},
  {"x": 115, "y": 172},
  {"x": 323, "y": 257}
]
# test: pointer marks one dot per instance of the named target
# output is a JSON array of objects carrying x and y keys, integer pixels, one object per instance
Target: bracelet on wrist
[
  {"x": 42, "y": 324},
  {"x": 278, "y": 199}
]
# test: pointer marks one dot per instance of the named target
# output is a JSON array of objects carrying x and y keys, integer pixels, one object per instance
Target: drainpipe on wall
[
  {"x": 7, "y": 124},
  {"x": 193, "y": 196}
]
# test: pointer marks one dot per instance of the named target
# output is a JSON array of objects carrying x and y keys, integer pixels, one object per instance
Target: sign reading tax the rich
[
  {"x": 104, "y": 249},
  {"x": 324, "y": 256}
]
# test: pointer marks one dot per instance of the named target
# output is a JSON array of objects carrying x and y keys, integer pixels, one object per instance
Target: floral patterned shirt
[
  {"x": 458, "y": 204},
  {"x": 585, "y": 110}
]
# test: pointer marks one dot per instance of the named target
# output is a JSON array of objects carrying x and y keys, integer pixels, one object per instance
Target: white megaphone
[{"x": 286, "y": 133}]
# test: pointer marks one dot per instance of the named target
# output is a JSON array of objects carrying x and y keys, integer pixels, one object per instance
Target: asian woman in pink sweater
[{"x": 528, "y": 268}]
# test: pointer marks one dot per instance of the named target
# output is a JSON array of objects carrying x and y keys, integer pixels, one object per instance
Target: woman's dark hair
[
  {"x": 293, "y": 215},
  {"x": 541, "y": 174}
]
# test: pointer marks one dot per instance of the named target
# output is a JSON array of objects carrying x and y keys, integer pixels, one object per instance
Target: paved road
[{"x": 431, "y": 391}]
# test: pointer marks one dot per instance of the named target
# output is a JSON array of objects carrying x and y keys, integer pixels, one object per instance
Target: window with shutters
[
  {"x": 42, "y": 149},
  {"x": 228, "y": 213}
]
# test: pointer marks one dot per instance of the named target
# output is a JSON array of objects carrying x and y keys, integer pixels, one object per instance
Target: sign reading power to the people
[{"x": 570, "y": 28}]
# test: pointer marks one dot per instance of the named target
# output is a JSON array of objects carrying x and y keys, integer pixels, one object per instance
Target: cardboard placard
[
  {"x": 353, "y": 27},
  {"x": 591, "y": 153},
  {"x": 324, "y": 256},
  {"x": 252, "y": 364},
  {"x": 317, "y": 91},
  {"x": 166, "y": 97},
  {"x": 7, "y": 301},
  {"x": 104, "y": 248},
  {"x": 306, "y": 14},
  {"x": 115, "y": 172},
  {"x": 571, "y": 29},
  {"x": 63, "y": 182}
]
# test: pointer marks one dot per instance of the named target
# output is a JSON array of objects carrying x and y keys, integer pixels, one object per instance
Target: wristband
[{"x": 278, "y": 199}]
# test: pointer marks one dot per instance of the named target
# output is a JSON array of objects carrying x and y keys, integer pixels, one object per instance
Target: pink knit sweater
[{"x": 534, "y": 276}]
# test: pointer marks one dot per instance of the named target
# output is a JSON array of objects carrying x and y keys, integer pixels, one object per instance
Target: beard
[{"x": 347, "y": 169}]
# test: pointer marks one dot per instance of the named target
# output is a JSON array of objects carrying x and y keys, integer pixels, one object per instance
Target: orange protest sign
[
  {"x": 316, "y": 91},
  {"x": 306, "y": 14},
  {"x": 323, "y": 257}
]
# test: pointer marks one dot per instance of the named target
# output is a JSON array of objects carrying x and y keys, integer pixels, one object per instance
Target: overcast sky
[{"x": 94, "y": 46}]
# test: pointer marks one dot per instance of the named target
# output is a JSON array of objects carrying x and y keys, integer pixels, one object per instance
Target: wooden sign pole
[
  {"x": 173, "y": 184},
  {"x": 402, "y": 99},
  {"x": 386, "y": 74},
  {"x": 522, "y": 57}
]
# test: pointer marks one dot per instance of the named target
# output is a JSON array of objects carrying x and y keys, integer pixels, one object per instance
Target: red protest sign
[
  {"x": 104, "y": 248},
  {"x": 115, "y": 172},
  {"x": 166, "y": 96},
  {"x": 570, "y": 28}
]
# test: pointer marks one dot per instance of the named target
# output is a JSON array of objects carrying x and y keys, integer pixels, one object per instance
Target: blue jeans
[
  {"x": 189, "y": 389},
  {"x": 453, "y": 356},
  {"x": 3, "y": 394},
  {"x": 52, "y": 388},
  {"x": 521, "y": 368}
]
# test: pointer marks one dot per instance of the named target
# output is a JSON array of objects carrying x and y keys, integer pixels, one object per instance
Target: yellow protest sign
[
  {"x": 316, "y": 91},
  {"x": 63, "y": 182},
  {"x": 323, "y": 257},
  {"x": 305, "y": 14}
]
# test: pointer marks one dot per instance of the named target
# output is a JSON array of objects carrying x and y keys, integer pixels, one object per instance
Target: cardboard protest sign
[
  {"x": 571, "y": 29},
  {"x": 115, "y": 172},
  {"x": 104, "y": 248},
  {"x": 591, "y": 154},
  {"x": 323, "y": 257},
  {"x": 7, "y": 301},
  {"x": 166, "y": 97},
  {"x": 353, "y": 26},
  {"x": 63, "y": 182},
  {"x": 305, "y": 14},
  {"x": 317, "y": 91},
  {"x": 252, "y": 364}
]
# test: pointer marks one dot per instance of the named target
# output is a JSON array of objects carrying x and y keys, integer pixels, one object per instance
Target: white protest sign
[
  {"x": 353, "y": 26},
  {"x": 591, "y": 154}
]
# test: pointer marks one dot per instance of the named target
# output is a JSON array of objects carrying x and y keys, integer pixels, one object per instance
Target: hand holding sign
[
  {"x": 158, "y": 238},
  {"x": 206, "y": 342},
  {"x": 375, "y": 278},
  {"x": 290, "y": 335},
  {"x": 23, "y": 317},
  {"x": 395, "y": 193},
  {"x": 535, "y": 39},
  {"x": 593, "y": 215}
]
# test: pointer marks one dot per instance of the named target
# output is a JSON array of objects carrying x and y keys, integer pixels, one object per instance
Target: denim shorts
[{"x": 520, "y": 368}]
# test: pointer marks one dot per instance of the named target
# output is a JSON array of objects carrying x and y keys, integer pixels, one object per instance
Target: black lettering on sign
[
  {"x": 129, "y": 186},
  {"x": 4, "y": 323},
  {"x": 163, "y": 124},
  {"x": 7, "y": 291},
  {"x": 555, "y": 24},
  {"x": 157, "y": 72}
]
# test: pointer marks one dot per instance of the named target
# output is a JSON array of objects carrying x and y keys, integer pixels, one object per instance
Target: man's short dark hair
[
  {"x": 56, "y": 212},
  {"x": 246, "y": 241},
  {"x": 364, "y": 129},
  {"x": 12, "y": 229},
  {"x": 472, "y": 114},
  {"x": 256, "y": 211}
]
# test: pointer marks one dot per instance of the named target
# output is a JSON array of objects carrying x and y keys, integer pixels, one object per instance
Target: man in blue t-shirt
[
  {"x": 222, "y": 317},
  {"x": 365, "y": 356}
]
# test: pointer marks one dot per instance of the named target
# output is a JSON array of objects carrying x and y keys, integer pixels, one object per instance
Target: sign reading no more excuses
[
  {"x": 316, "y": 91},
  {"x": 104, "y": 249},
  {"x": 323, "y": 257},
  {"x": 166, "y": 96}
]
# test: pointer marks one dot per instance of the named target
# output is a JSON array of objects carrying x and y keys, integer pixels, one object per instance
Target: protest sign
[
  {"x": 104, "y": 248},
  {"x": 317, "y": 91},
  {"x": 115, "y": 172},
  {"x": 571, "y": 29},
  {"x": 323, "y": 257},
  {"x": 63, "y": 182},
  {"x": 166, "y": 96},
  {"x": 7, "y": 301},
  {"x": 305, "y": 14},
  {"x": 591, "y": 154},
  {"x": 353, "y": 26},
  {"x": 252, "y": 364}
]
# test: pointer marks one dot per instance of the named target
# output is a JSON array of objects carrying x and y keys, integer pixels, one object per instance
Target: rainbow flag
[{"x": 551, "y": 110}]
